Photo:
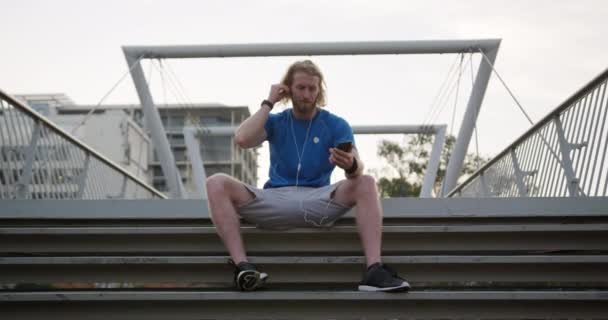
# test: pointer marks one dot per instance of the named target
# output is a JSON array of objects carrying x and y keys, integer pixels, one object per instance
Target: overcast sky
[{"x": 549, "y": 50}]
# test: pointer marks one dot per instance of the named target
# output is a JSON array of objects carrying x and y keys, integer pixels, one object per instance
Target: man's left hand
[{"x": 341, "y": 158}]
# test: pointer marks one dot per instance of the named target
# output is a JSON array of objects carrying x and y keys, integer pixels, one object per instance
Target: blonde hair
[{"x": 310, "y": 68}]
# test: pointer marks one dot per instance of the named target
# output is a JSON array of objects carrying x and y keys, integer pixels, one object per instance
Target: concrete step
[
  {"x": 171, "y": 209},
  {"x": 387, "y": 229},
  {"x": 416, "y": 235},
  {"x": 281, "y": 304},
  {"x": 466, "y": 258},
  {"x": 313, "y": 286},
  {"x": 214, "y": 270}
]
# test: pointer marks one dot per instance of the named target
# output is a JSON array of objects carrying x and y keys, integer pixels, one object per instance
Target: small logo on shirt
[{"x": 315, "y": 139}]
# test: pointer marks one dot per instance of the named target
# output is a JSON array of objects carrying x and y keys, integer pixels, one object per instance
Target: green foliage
[{"x": 410, "y": 161}]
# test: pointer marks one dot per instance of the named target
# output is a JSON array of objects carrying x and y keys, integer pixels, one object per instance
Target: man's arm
[
  {"x": 360, "y": 166},
  {"x": 251, "y": 132},
  {"x": 346, "y": 161}
]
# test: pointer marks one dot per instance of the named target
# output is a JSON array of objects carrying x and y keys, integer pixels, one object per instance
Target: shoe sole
[
  {"x": 251, "y": 280},
  {"x": 402, "y": 288}
]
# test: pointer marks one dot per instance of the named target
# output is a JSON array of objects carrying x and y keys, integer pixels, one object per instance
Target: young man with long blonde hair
[{"x": 306, "y": 144}]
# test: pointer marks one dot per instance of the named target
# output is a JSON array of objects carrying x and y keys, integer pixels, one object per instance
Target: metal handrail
[
  {"x": 562, "y": 148},
  {"x": 192, "y": 135},
  {"x": 75, "y": 142}
]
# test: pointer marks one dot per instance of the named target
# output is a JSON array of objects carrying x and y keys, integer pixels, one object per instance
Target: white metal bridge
[{"x": 526, "y": 236}]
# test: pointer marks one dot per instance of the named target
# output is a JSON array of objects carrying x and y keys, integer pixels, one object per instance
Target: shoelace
[
  {"x": 243, "y": 265},
  {"x": 391, "y": 271},
  {"x": 231, "y": 263}
]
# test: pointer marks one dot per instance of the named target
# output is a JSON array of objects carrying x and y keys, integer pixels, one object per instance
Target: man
[{"x": 303, "y": 154}]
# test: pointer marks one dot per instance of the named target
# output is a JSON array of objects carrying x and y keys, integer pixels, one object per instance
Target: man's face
[{"x": 304, "y": 91}]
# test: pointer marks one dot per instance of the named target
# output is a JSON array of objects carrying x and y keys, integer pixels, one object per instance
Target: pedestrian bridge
[{"x": 526, "y": 236}]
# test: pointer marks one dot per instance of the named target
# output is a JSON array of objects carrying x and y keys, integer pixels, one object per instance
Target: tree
[{"x": 407, "y": 165}]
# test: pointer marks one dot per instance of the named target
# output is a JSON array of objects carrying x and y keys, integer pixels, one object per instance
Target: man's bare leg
[
  {"x": 362, "y": 192},
  {"x": 224, "y": 194}
]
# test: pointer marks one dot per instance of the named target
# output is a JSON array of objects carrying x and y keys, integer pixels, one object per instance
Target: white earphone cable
[{"x": 300, "y": 155}]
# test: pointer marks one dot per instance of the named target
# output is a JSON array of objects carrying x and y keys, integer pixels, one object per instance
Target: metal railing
[
  {"x": 563, "y": 155},
  {"x": 193, "y": 135},
  {"x": 38, "y": 160}
]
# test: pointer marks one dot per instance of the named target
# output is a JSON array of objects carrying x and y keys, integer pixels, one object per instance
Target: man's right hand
[{"x": 278, "y": 92}]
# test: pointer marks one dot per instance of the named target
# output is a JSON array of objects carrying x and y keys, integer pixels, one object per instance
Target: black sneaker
[
  {"x": 379, "y": 277},
  {"x": 247, "y": 277}
]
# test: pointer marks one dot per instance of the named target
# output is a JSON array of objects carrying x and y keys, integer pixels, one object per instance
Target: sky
[{"x": 549, "y": 50}]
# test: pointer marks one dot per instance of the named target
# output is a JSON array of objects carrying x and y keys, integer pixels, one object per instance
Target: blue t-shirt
[{"x": 326, "y": 131}]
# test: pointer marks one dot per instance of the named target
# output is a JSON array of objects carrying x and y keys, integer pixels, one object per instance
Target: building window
[
  {"x": 214, "y": 121},
  {"x": 176, "y": 121},
  {"x": 164, "y": 120},
  {"x": 160, "y": 186},
  {"x": 158, "y": 172},
  {"x": 216, "y": 148},
  {"x": 213, "y": 169},
  {"x": 41, "y": 107},
  {"x": 177, "y": 139}
]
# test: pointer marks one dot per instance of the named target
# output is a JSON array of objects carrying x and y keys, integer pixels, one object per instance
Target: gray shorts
[{"x": 292, "y": 207}]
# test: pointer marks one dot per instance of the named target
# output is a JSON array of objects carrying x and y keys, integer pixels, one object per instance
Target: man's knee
[
  {"x": 217, "y": 183},
  {"x": 365, "y": 184},
  {"x": 223, "y": 186}
]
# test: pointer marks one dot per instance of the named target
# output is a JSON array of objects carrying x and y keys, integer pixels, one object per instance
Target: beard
[{"x": 303, "y": 107}]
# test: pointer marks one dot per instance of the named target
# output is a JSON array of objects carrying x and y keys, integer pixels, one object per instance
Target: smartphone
[{"x": 345, "y": 146}]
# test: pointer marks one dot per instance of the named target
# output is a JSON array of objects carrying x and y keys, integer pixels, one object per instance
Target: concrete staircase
[{"x": 465, "y": 258}]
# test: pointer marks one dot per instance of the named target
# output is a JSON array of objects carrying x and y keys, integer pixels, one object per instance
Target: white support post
[
  {"x": 485, "y": 191},
  {"x": 565, "y": 148},
  {"x": 519, "y": 176},
  {"x": 468, "y": 122},
  {"x": 83, "y": 176},
  {"x": 123, "y": 188},
  {"x": 26, "y": 174},
  {"x": 154, "y": 124},
  {"x": 431, "y": 171},
  {"x": 196, "y": 159}
]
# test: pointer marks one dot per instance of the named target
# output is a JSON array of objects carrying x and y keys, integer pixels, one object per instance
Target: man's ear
[{"x": 288, "y": 96}]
